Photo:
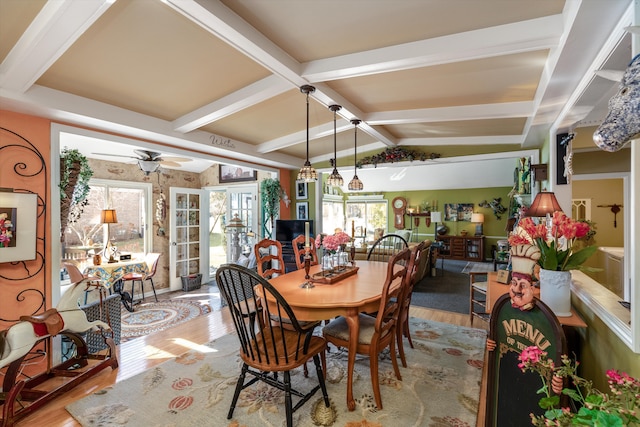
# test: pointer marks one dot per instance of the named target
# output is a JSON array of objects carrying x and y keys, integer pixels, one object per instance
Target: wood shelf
[{"x": 470, "y": 248}]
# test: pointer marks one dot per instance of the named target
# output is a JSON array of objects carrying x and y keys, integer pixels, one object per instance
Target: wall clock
[{"x": 399, "y": 205}]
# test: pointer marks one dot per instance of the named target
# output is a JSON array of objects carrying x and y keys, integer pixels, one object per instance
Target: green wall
[
  {"x": 493, "y": 228},
  {"x": 600, "y": 349}
]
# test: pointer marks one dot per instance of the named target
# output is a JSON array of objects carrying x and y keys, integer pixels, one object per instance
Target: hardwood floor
[{"x": 143, "y": 353}]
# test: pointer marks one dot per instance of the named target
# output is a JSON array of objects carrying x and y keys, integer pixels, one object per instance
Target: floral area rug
[
  {"x": 158, "y": 316},
  {"x": 440, "y": 387}
]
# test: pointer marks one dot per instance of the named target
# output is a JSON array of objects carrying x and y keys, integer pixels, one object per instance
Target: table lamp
[
  {"x": 478, "y": 219},
  {"x": 108, "y": 216},
  {"x": 436, "y": 217},
  {"x": 543, "y": 206}
]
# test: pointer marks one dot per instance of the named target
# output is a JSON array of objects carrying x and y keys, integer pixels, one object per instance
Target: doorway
[{"x": 237, "y": 204}]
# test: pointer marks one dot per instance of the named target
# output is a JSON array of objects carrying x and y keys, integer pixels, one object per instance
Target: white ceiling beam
[
  {"x": 296, "y": 138},
  {"x": 526, "y": 36},
  {"x": 447, "y": 114},
  {"x": 58, "y": 25},
  {"x": 472, "y": 140},
  {"x": 219, "y": 20},
  {"x": 76, "y": 110},
  {"x": 246, "y": 97}
]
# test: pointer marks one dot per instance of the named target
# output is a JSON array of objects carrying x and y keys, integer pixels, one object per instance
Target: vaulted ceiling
[{"x": 223, "y": 77}]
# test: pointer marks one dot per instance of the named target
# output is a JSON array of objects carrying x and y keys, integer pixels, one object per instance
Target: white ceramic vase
[{"x": 555, "y": 291}]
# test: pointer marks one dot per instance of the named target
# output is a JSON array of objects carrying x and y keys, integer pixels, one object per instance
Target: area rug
[
  {"x": 440, "y": 387},
  {"x": 158, "y": 316}
]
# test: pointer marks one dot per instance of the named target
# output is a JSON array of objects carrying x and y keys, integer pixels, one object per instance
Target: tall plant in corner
[
  {"x": 270, "y": 193},
  {"x": 74, "y": 186}
]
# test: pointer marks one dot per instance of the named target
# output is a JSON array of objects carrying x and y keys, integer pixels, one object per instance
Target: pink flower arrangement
[
  {"x": 5, "y": 230},
  {"x": 620, "y": 408},
  {"x": 556, "y": 245},
  {"x": 332, "y": 242}
]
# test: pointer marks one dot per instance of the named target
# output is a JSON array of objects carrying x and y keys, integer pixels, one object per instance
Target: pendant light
[
  {"x": 307, "y": 173},
  {"x": 355, "y": 184},
  {"x": 335, "y": 179}
]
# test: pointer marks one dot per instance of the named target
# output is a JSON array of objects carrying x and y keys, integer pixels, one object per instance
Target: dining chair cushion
[
  {"x": 339, "y": 328},
  {"x": 243, "y": 261},
  {"x": 132, "y": 276}
]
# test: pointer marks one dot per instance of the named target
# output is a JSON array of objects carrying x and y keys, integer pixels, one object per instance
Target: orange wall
[
  {"x": 285, "y": 182},
  {"x": 32, "y": 276}
]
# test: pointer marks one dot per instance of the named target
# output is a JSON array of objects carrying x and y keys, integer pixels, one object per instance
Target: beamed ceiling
[{"x": 222, "y": 77}]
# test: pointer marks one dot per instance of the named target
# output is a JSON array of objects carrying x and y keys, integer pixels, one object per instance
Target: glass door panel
[{"x": 185, "y": 235}]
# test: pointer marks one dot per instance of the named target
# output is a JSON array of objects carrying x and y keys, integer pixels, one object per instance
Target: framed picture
[
  {"x": 301, "y": 192},
  {"x": 464, "y": 211},
  {"x": 18, "y": 222},
  {"x": 302, "y": 209},
  {"x": 237, "y": 174},
  {"x": 450, "y": 211}
]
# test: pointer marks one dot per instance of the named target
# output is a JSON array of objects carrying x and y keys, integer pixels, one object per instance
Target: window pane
[
  {"x": 332, "y": 216},
  {"x": 128, "y": 233},
  {"x": 86, "y": 235}
]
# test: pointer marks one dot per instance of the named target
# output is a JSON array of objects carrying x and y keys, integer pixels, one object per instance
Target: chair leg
[
  {"x": 133, "y": 291},
  {"x": 287, "y": 398},
  {"x": 142, "y": 290},
  {"x": 154, "y": 288},
  {"x": 407, "y": 332},
  {"x": 375, "y": 380},
  {"x": 471, "y": 304},
  {"x": 320, "y": 373},
  {"x": 394, "y": 360},
  {"x": 401, "y": 349},
  {"x": 236, "y": 394}
]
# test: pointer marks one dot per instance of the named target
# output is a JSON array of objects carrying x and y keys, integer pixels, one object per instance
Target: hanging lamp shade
[
  {"x": 355, "y": 184},
  {"x": 335, "y": 179},
  {"x": 307, "y": 172}
]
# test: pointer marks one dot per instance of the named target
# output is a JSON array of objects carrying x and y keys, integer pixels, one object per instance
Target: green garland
[{"x": 394, "y": 155}]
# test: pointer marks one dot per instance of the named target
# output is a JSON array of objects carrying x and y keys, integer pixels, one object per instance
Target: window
[
  {"x": 367, "y": 214},
  {"x": 132, "y": 202},
  {"x": 332, "y": 214}
]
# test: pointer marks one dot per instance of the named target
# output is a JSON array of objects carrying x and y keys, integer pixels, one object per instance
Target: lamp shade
[
  {"x": 477, "y": 218},
  {"x": 544, "y": 203},
  {"x": 108, "y": 216},
  {"x": 235, "y": 222},
  {"x": 436, "y": 216}
]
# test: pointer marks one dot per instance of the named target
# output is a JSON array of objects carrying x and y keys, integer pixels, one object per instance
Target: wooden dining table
[{"x": 348, "y": 297}]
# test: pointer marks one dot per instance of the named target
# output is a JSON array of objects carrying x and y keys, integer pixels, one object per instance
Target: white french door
[
  {"x": 225, "y": 244},
  {"x": 186, "y": 232}
]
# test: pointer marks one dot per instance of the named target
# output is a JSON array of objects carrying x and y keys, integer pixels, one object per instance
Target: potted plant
[
  {"x": 270, "y": 194},
  {"x": 74, "y": 186}
]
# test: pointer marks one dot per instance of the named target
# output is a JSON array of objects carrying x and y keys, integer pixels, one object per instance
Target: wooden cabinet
[{"x": 470, "y": 248}]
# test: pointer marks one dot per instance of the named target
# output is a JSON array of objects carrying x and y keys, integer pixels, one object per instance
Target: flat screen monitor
[{"x": 288, "y": 229}]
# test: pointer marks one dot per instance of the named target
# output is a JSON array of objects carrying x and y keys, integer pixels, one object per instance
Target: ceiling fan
[{"x": 150, "y": 161}]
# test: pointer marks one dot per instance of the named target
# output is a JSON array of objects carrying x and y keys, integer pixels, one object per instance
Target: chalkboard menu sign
[{"x": 511, "y": 394}]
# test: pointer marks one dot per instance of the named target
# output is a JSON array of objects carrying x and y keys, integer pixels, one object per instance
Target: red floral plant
[
  {"x": 620, "y": 408},
  {"x": 557, "y": 243}
]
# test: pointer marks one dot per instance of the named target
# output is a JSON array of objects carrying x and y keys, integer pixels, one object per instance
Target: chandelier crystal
[
  {"x": 307, "y": 172},
  {"x": 355, "y": 184},
  {"x": 335, "y": 179}
]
